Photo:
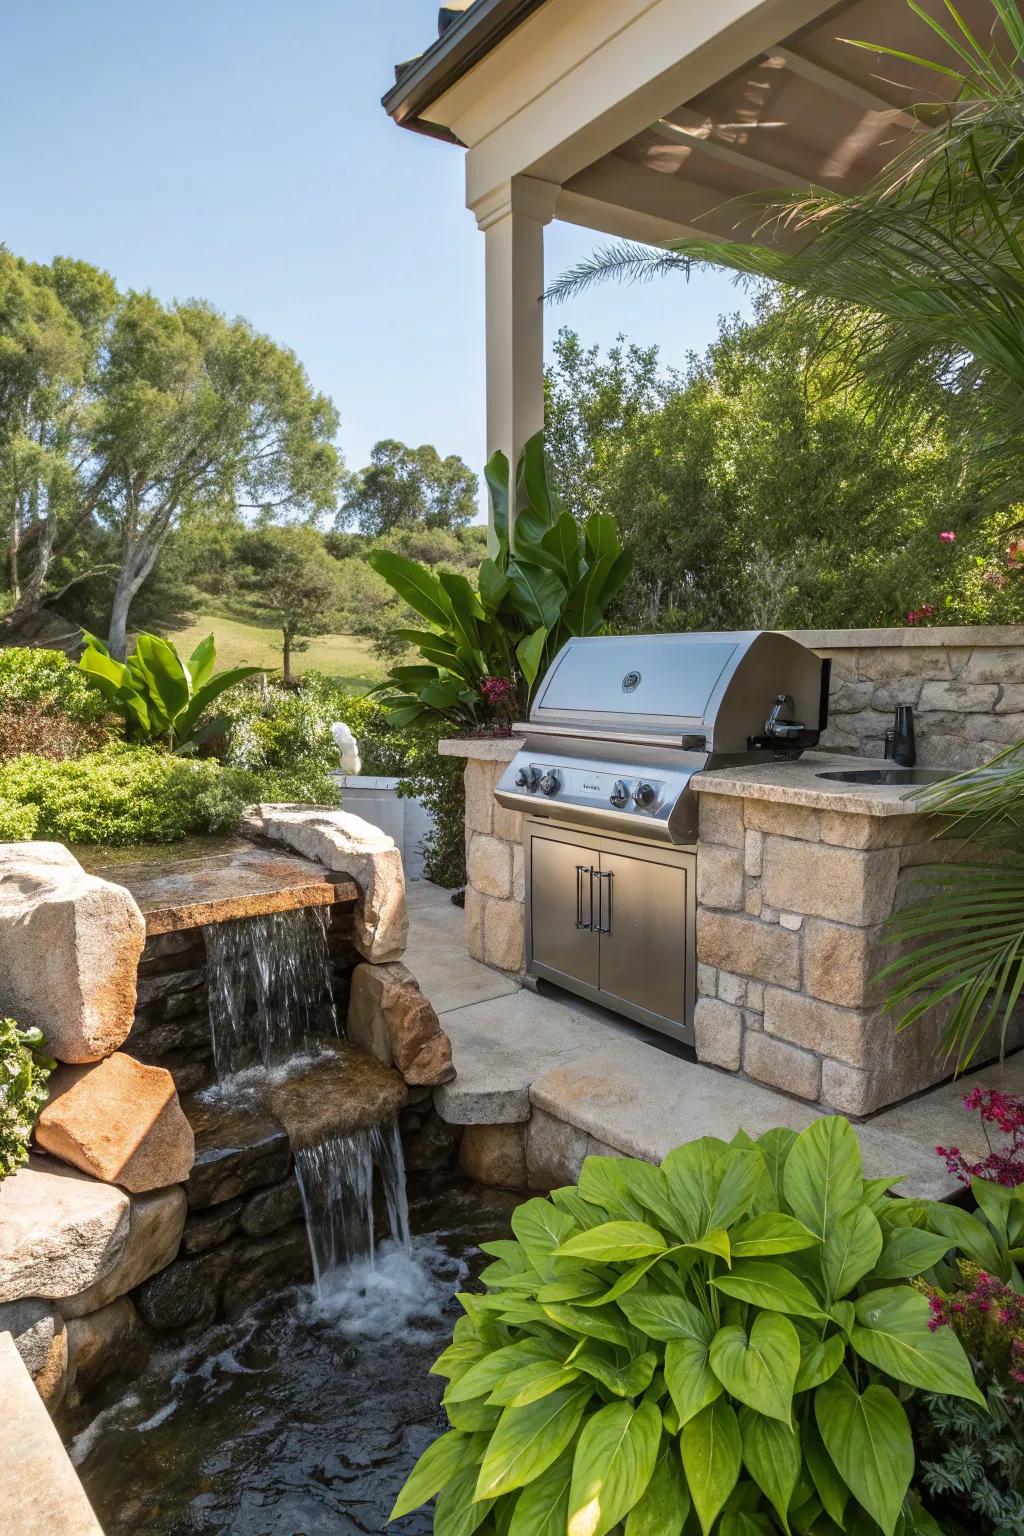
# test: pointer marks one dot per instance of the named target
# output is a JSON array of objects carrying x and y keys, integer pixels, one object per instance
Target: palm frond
[{"x": 622, "y": 262}]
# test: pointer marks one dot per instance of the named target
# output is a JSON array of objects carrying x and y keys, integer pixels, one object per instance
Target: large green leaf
[
  {"x": 496, "y": 473},
  {"x": 456, "y": 1513},
  {"x": 540, "y": 1227},
  {"x": 769, "y": 1285},
  {"x": 537, "y": 593},
  {"x": 968, "y": 1233},
  {"x": 493, "y": 585},
  {"x": 771, "y": 1233},
  {"x": 205, "y": 696},
  {"x": 693, "y": 1174},
  {"x": 771, "y": 1454},
  {"x": 820, "y": 1357},
  {"x": 561, "y": 545},
  {"x": 851, "y": 1247},
  {"x": 493, "y": 1369},
  {"x": 759, "y": 1368},
  {"x": 167, "y": 678},
  {"x": 909, "y": 1252},
  {"x": 665, "y": 1316},
  {"x": 612, "y": 1183},
  {"x": 711, "y": 1450},
  {"x": 529, "y": 1383},
  {"x": 775, "y": 1146},
  {"x": 530, "y": 654},
  {"x": 691, "y": 1382},
  {"x": 615, "y": 1457},
  {"x": 895, "y": 1335},
  {"x": 527, "y": 1440},
  {"x": 542, "y": 1508},
  {"x": 438, "y": 1465},
  {"x": 614, "y": 1242},
  {"x": 828, "y": 1484},
  {"x": 202, "y": 662},
  {"x": 662, "y": 1508},
  {"x": 601, "y": 535},
  {"x": 414, "y": 584},
  {"x": 868, "y": 1438},
  {"x": 823, "y": 1177},
  {"x": 624, "y": 1380}
]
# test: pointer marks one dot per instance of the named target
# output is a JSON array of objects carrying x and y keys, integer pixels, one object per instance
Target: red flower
[{"x": 949, "y": 537}]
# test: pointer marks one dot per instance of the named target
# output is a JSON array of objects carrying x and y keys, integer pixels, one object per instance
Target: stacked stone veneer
[
  {"x": 966, "y": 686},
  {"x": 495, "y": 868},
  {"x": 792, "y": 903}
]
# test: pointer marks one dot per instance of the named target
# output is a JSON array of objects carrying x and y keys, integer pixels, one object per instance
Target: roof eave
[{"x": 464, "y": 43}]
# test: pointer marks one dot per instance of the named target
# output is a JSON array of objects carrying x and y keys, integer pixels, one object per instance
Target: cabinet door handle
[
  {"x": 581, "y": 870},
  {"x": 604, "y": 922}
]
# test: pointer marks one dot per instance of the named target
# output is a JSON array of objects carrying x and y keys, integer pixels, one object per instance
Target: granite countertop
[
  {"x": 798, "y": 784},
  {"x": 484, "y": 749}
]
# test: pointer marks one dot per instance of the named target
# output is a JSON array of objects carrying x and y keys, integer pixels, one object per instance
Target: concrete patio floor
[{"x": 630, "y": 1088}]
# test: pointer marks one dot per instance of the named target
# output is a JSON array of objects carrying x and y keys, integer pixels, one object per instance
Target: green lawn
[{"x": 345, "y": 657}]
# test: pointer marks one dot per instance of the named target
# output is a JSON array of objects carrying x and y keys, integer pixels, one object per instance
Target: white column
[{"x": 512, "y": 218}]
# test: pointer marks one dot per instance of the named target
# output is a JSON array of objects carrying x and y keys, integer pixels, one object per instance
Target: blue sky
[{"x": 236, "y": 150}]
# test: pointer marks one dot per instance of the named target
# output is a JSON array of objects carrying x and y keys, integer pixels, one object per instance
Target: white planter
[{"x": 377, "y": 801}]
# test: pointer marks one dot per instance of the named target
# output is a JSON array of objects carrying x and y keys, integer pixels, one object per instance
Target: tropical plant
[
  {"x": 24, "y": 1069},
  {"x": 545, "y": 583},
  {"x": 961, "y": 935},
  {"x": 160, "y": 697},
  {"x": 924, "y": 268},
  {"x": 727, "y": 1342}
]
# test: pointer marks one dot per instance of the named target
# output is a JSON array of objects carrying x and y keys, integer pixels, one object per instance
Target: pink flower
[
  {"x": 949, "y": 537},
  {"x": 926, "y": 610},
  {"x": 913, "y": 616}
]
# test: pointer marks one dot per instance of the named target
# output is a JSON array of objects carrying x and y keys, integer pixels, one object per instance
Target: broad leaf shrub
[
  {"x": 726, "y": 1343},
  {"x": 160, "y": 696},
  {"x": 24, "y": 1069},
  {"x": 36, "y": 675}
]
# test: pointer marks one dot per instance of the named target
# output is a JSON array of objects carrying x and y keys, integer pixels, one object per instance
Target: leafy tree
[
  {"x": 290, "y": 580},
  {"x": 197, "y": 412},
  {"x": 752, "y": 490},
  {"x": 405, "y": 487},
  {"x": 52, "y": 323}
]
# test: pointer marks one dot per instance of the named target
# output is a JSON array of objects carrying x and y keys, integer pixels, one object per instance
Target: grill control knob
[
  {"x": 620, "y": 793},
  {"x": 550, "y": 782},
  {"x": 645, "y": 795},
  {"x": 528, "y": 778}
]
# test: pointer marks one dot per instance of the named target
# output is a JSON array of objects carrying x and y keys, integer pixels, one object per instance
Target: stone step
[
  {"x": 41, "y": 1489},
  {"x": 60, "y": 1232}
]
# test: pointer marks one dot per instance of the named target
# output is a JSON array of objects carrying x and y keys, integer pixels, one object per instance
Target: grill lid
[{"x": 710, "y": 690}]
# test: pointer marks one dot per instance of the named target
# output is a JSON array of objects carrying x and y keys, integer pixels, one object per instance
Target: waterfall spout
[
  {"x": 270, "y": 988},
  {"x": 336, "y": 1181}
]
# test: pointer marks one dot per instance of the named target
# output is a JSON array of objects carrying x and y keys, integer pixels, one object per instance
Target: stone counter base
[{"x": 791, "y": 907}]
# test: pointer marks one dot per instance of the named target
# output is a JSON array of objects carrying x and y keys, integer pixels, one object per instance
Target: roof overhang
[{"x": 461, "y": 46}]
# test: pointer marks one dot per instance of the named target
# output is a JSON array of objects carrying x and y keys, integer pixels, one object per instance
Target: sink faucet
[{"x": 899, "y": 739}]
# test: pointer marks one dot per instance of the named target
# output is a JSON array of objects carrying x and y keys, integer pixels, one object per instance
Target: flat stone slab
[
  {"x": 799, "y": 784},
  {"x": 643, "y": 1102},
  {"x": 938, "y": 1117},
  {"x": 437, "y": 957},
  {"x": 343, "y": 1092},
  {"x": 41, "y": 1491},
  {"x": 222, "y": 887},
  {"x": 59, "y": 1231},
  {"x": 483, "y": 749},
  {"x": 501, "y": 1046}
]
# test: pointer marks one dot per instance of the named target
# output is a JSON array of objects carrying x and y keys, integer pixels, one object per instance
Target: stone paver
[
  {"x": 41, "y": 1489},
  {"x": 437, "y": 955}
]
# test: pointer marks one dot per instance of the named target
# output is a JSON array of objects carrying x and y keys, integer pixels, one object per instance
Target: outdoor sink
[{"x": 887, "y": 775}]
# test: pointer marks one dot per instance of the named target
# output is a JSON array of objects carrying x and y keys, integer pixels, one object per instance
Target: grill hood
[{"x": 707, "y": 692}]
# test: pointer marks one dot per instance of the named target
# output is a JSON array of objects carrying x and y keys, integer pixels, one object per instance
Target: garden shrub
[
  {"x": 51, "y": 680},
  {"x": 273, "y": 729},
  {"x": 24, "y": 1069},
  {"x": 727, "y": 1341},
  {"x": 123, "y": 795},
  {"x": 27, "y": 726},
  {"x": 17, "y": 822}
]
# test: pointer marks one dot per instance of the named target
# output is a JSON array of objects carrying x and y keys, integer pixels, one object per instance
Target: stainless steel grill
[{"x": 618, "y": 728}]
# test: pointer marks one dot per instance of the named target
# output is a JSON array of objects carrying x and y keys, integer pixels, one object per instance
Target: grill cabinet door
[
  {"x": 641, "y": 909},
  {"x": 561, "y": 898}
]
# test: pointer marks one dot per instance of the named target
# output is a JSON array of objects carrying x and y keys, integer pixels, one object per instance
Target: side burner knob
[
  {"x": 620, "y": 793},
  {"x": 527, "y": 778},
  {"x": 645, "y": 795},
  {"x": 550, "y": 782}
]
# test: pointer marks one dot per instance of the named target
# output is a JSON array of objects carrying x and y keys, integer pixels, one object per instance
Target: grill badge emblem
[{"x": 631, "y": 682}]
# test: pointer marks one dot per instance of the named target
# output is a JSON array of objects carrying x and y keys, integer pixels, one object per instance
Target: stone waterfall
[{"x": 271, "y": 1005}]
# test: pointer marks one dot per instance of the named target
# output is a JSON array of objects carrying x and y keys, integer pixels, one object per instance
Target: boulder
[
  {"x": 346, "y": 845},
  {"x": 494, "y": 1154},
  {"x": 207, "y": 1229},
  {"x": 70, "y": 945},
  {"x": 238, "y": 1147},
  {"x": 41, "y": 1340},
  {"x": 120, "y": 1121},
  {"x": 187, "y": 1293},
  {"x": 260, "y": 1268},
  {"x": 60, "y": 1232},
  {"x": 343, "y": 1091},
  {"x": 389, "y": 1017},
  {"x": 155, "y": 1226},
  {"x": 270, "y": 1209},
  {"x": 110, "y": 1343}
]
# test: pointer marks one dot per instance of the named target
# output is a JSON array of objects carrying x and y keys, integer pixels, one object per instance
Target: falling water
[
  {"x": 336, "y": 1181},
  {"x": 270, "y": 988},
  {"x": 270, "y": 1000}
]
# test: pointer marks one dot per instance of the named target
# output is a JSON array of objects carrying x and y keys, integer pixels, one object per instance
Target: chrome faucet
[
  {"x": 899, "y": 739},
  {"x": 777, "y": 725}
]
